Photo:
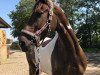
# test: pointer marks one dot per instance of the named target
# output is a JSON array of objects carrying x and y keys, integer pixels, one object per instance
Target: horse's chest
[{"x": 43, "y": 56}]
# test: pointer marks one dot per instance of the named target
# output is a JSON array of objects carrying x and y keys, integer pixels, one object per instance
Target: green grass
[{"x": 91, "y": 50}]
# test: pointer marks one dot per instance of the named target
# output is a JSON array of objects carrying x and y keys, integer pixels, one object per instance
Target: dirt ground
[
  {"x": 93, "y": 64},
  {"x": 17, "y": 64}
]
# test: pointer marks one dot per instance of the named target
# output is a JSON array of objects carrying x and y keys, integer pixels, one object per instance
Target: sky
[{"x": 6, "y": 6}]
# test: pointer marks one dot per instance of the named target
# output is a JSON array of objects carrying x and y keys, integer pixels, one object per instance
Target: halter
[{"x": 46, "y": 25}]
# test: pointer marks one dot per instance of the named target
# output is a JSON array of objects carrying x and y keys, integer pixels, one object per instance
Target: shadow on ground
[
  {"x": 93, "y": 67},
  {"x": 94, "y": 59}
]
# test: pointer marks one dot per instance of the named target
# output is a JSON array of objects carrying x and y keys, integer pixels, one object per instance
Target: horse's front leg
[{"x": 32, "y": 67}]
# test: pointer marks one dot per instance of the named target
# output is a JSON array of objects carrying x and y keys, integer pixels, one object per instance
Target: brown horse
[{"x": 61, "y": 55}]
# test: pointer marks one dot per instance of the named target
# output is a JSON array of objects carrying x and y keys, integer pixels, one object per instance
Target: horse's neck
[{"x": 66, "y": 40}]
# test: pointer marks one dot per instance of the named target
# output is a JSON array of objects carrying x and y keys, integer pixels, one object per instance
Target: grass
[{"x": 91, "y": 50}]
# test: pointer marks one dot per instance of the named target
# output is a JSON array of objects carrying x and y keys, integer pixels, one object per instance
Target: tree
[
  {"x": 91, "y": 24},
  {"x": 70, "y": 9},
  {"x": 21, "y": 15},
  {"x": 84, "y": 18}
]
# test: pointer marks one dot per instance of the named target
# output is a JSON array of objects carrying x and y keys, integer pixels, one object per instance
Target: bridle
[{"x": 36, "y": 35}]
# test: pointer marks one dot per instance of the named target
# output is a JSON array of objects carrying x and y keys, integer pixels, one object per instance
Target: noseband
[{"x": 39, "y": 32}]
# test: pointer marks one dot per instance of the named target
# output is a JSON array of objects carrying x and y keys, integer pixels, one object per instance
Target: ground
[
  {"x": 93, "y": 64},
  {"x": 17, "y": 64}
]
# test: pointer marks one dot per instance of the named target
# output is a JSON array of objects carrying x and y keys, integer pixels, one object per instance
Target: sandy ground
[
  {"x": 93, "y": 64},
  {"x": 17, "y": 64}
]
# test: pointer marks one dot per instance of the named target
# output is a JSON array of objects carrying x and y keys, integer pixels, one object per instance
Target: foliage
[
  {"x": 92, "y": 50},
  {"x": 21, "y": 15},
  {"x": 89, "y": 30},
  {"x": 69, "y": 7},
  {"x": 84, "y": 16},
  {"x": 15, "y": 46}
]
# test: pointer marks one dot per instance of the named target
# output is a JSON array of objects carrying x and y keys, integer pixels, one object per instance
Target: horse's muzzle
[{"x": 26, "y": 43}]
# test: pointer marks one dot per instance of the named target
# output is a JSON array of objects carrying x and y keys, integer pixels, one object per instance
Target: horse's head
[{"x": 38, "y": 25}]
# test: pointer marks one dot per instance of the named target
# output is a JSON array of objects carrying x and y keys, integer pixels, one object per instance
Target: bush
[
  {"x": 15, "y": 46},
  {"x": 91, "y": 49},
  {"x": 98, "y": 44}
]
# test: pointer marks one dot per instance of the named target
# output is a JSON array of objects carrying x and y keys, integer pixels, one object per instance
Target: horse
[{"x": 59, "y": 55}]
